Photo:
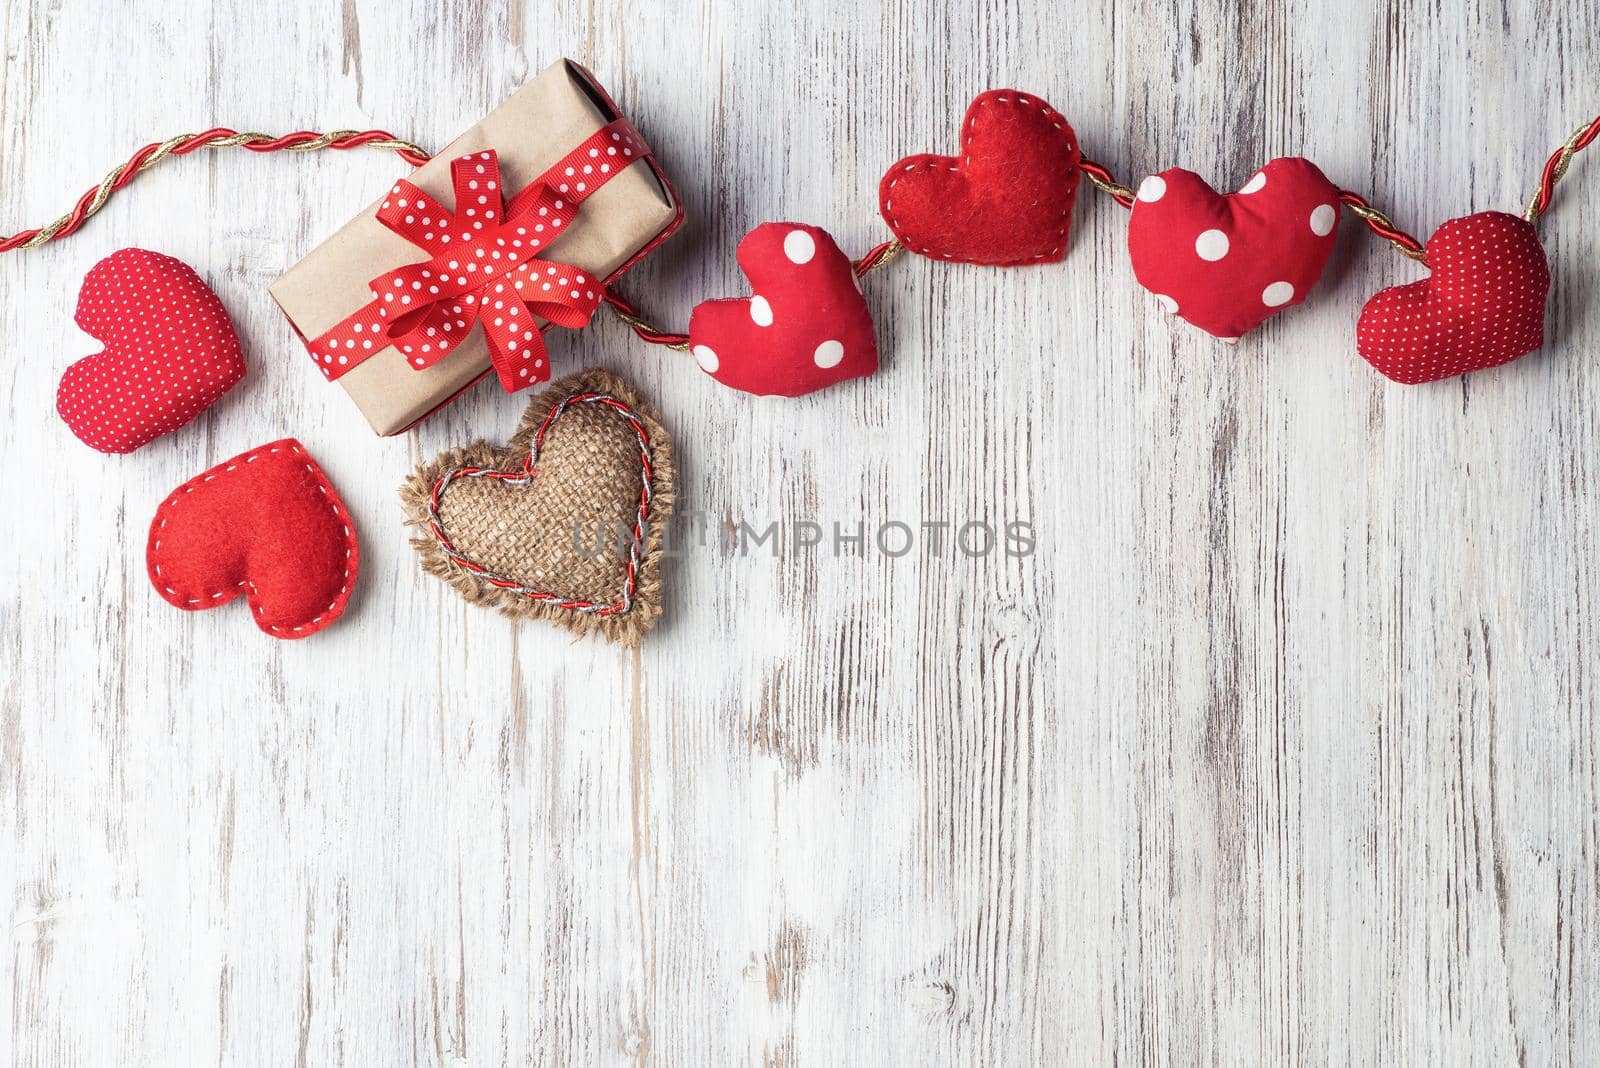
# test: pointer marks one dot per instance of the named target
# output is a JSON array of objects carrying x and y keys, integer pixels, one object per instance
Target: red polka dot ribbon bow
[{"x": 485, "y": 266}]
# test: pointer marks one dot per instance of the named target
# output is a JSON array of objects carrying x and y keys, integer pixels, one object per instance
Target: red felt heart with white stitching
[
  {"x": 1006, "y": 201},
  {"x": 267, "y": 524}
]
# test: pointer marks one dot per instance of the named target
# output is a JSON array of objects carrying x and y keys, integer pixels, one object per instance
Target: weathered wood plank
[{"x": 1282, "y": 746}]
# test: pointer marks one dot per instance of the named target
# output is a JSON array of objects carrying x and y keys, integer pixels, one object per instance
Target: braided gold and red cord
[
  {"x": 181, "y": 145},
  {"x": 1556, "y": 167},
  {"x": 1100, "y": 176},
  {"x": 306, "y": 141},
  {"x": 1379, "y": 224}
]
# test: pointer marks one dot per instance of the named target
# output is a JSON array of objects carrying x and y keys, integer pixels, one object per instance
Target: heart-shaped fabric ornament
[
  {"x": 170, "y": 352},
  {"x": 564, "y": 523},
  {"x": 1483, "y": 304},
  {"x": 807, "y": 326},
  {"x": 1006, "y": 201},
  {"x": 1227, "y": 263},
  {"x": 267, "y": 524}
]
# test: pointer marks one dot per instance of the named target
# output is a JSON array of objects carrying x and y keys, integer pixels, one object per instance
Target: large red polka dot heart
[
  {"x": 169, "y": 353},
  {"x": 806, "y": 327},
  {"x": 1482, "y": 306},
  {"x": 1228, "y": 263},
  {"x": 1006, "y": 201}
]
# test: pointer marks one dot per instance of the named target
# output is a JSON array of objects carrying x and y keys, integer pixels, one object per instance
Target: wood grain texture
[{"x": 1282, "y": 748}]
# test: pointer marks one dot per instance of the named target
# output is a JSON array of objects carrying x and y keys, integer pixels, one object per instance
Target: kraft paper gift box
[{"x": 616, "y": 225}]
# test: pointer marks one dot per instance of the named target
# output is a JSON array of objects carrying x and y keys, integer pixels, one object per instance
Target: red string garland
[
  {"x": 182, "y": 145},
  {"x": 307, "y": 141},
  {"x": 1556, "y": 166}
]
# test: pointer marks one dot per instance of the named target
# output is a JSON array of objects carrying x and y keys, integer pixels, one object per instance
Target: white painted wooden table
[{"x": 1283, "y": 746}]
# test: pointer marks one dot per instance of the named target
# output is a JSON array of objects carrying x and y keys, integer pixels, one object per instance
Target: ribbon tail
[{"x": 517, "y": 350}]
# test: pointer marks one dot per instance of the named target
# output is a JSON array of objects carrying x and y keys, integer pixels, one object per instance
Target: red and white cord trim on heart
[
  {"x": 529, "y": 471},
  {"x": 211, "y": 597}
]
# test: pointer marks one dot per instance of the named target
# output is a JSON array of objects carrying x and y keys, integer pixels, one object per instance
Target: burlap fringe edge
[{"x": 628, "y": 628}]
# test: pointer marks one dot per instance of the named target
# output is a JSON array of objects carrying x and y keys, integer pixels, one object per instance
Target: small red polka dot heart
[{"x": 170, "y": 352}]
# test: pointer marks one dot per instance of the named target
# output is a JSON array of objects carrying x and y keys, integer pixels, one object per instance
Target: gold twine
[
  {"x": 1116, "y": 189},
  {"x": 1563, "y": 158},
  {"x": 894, "y": 249},
  {"x": 111, "y": 181},
  {"x": 646, "y": 326},
  {"x": 1368, "y": 213}
]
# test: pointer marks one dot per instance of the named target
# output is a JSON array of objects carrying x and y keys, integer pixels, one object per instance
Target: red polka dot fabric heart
[
  {"x": 1228, "y": 263},
  {"x": 806, "y": 327},
  {"x": 1482, "y": 306},
  {"x": 1006, "y": 201},
  {"x": 169, "y": 353},
  {"x": 267, "y": 524}
]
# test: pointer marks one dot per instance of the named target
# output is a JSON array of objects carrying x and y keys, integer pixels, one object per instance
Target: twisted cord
[
  {"x": 181, "y": 145},
  {"x": 306, "y": 141},
  {"x": 1556, "y": 167},
  {"x": 1379, "y": 224},
  {"x": 646, "y": 330},
  {"x": 1101, "y": 177}
]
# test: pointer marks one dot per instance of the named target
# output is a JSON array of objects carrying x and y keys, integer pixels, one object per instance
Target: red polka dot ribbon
[{"x": 485, "y": 266}]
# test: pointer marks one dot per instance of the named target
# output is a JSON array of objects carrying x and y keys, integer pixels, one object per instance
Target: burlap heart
[{"x": 564, "y": 522}]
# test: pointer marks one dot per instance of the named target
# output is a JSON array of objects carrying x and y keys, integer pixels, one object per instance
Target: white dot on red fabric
[
  {"x": 1323, "y": 218},
  {"x": 1482, "y": 306},
  {"x": 707, "y": 359},
  {"x": 1152, "y": 189},
  {"x": 760, "y": 311},
  {"x": 170, "y": 351},
  {"x": 828, "y": 354},
  {"x": 1211, "y": 245},
  {"x": 1256, "y": 184},
  {"x": 799, "y": 246},
  {"x": 1277, "y": 294}
]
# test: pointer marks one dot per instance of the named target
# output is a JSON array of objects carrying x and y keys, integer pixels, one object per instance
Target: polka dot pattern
[
  {"x": 799, "y": 247},
  {"x": 806, "y": 327},
  {"x": 486, "y": 266},
  {"x": 1227, "y": 263},
  {"x": 1211, "y": 245},
  {"x": 170, "y": 352},
  {"x": 1482, "y": 306}
]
